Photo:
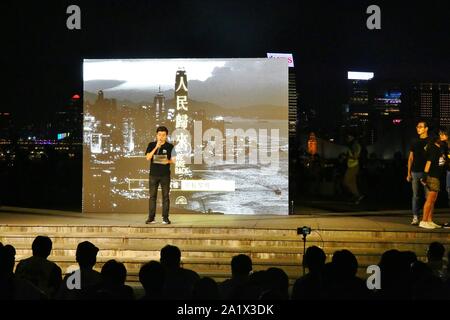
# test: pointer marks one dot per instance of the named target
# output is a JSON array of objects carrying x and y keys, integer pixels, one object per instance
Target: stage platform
[{"x": 208, "y": 242}]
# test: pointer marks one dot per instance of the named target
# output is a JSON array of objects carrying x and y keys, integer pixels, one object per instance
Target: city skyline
[
  {"x": 327, "y": 39},
  {"x": 212, "y": 82}
]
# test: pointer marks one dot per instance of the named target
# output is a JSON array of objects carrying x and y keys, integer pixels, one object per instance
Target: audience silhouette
[
  {"x": 179, "y": 282},
  {"x": 113, "y": 285},
  {"x": 152, "y": 278},
  {"x": 11, "y": 286},
  {"x": 90, "y": 279},
  {"x": 403, "y": 277},
  {"x": 206, "y": 288},
  {"x": 311, "y": 285},
  {"x": 241, "y": 266},
  {"x": 44, "y": 274}
]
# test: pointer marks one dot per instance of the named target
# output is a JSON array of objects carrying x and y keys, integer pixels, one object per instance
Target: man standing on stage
[
  {"x": 161, "y": 154},
  {"x": 416, "y": 166}
]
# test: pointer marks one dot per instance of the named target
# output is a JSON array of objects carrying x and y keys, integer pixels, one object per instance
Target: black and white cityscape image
[{"x": 228, "y": 120}]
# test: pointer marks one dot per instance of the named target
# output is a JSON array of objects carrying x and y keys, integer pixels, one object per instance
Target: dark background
[{"x": 42, "y": 59}]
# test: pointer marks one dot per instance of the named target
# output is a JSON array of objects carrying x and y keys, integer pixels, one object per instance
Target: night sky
[{"x": 42, "y": 59}]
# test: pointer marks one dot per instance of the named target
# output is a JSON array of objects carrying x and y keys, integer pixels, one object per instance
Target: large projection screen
[{"x": 228, "y": 120}]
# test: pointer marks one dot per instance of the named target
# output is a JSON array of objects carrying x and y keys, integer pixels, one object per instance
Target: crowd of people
[
  {"x": 329, "y": 179},
  {"x": 403, "y": 276}
]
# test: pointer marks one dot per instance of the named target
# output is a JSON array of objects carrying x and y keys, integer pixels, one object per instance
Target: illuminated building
[
  {"x": 160, "y": 108},
  {"x": 444, "y": 104},
  {"x": 292, "y": 104},
  {"x": 387, "y": 102},
  {"x": 359, "y": 87},
  {"x": 431, "y": 102},
  {"x": 128, "y": 130},
  {"x": 358, "y": 98}
]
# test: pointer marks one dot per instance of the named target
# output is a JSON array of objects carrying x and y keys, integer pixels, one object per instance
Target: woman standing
[
  {"x": 436, "y": 157},
  {"x": 443, "y": 135}
]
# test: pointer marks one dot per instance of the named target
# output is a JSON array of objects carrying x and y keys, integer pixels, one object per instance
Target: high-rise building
[
  {"x": 67, "y": 123},
  {"x": 387, "y": 101},
  {"x": 102, "y": 108},
  {"x": 105, "y": 114},
  {"x": 444, "y": 104},
  {"x": 359, "y": 92},
  {"x": 357, "y": 111},
  {"x": 424, "y": 101},
  {"x": 431, "y": 101},
  {"x": 160, "y": 108},
  {"x": 359, "y": 87},
  {"x": 358, "y": 97},
  {"x": 292, "y": 118},
  {"x": 128, "y": 130}
]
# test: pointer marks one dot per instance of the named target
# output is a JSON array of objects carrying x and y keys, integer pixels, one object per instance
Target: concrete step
[
  {"x": 416, "y": 245},
  {"x": 232, "y": 241},
  {"x": 195, "y": 231},
  {"x": 119, "y": 238},
  {"x": 208, "y": 250},
  {"x": 144, "y": 229},
  {"x": 147, "y": 246},
  {"x": 197, "y": 263},
  {"x": 152, "y": 251}
]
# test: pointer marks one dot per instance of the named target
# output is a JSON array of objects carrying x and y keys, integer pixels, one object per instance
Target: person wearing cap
[{"x": 90, "y": 280}]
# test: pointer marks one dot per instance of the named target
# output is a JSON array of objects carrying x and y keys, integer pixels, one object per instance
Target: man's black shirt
[
  {"x": 418, "y": 149},
  {"x": 156, "y": 169}
]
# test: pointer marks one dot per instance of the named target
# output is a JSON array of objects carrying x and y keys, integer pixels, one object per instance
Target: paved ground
[{"x": 380, "y": 221}]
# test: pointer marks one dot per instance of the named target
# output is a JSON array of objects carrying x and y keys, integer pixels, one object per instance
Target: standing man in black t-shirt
[
  {"x": 416, "y": 166},
  {"x": 161, "y": 154}
]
